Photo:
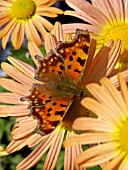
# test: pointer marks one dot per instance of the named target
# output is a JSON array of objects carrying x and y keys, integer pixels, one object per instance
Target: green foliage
[
  {"x": 94, "y": 168},
  {"x": 42, "y": 49},
  {"x": 23, "y": 55}
]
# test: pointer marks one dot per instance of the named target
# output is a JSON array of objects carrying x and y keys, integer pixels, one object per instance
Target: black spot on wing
[
  {"x": 48, "y": 114},
  {"x": 63, "y": 105},
  {"x": 59, "y": 72},
  {"x": 82, "y": 62},
  {"x": 76, "y": 70},
  {"x": 54, "y": 103},
  {"x": 61, "y": 113},
  {"x": 71, "y": 58},
  {"x": 69, "y": 66},
  {"x": 61, "y": 67},
  {"x": 48, "y": 101},
  {"x": 49, "y": 110},
  {"x": 74, "y": 53}
]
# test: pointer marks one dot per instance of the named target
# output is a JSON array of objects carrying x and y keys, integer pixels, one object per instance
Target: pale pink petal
[
  {"x": 39, "y": 27},
  {"x": 115, "y": 81},
  {"x": 37, "y": 154},
  {"x": 124, "y": 164},
  {"x": 34, "y": 50},
  {"x": 71, "y": 152},
  {"x": 85, "y": 17},
  {"x": 32, "y": 34},
  {"x": 6, "y": 110},
  {"x": 91, "y": 124},
  {"x": 97, "y": 155},
  {"x": 23, "y": 67},
  {"x": 91, "y": 55},
  {"x": 5, "y": 37},
  {"x": 88, "y": 138},
  {"x": 37, "y": 138},
  {"x": 5, "y": 3},
  {"x": 10, "y": 98},
  {"x": 126, "y": 9},
  {"x": 20, "y": 131},
  {"x": 101, "y": 68},
  {"x": 103, "y": 111},
  {"x": 87, "y": 8},
  {"x": 58, "y": 32},
  {"x": 124, "y": 89},
  {"x": 15, "y": 145},
  {"x": 17, "y": 75},
  {"x": 119, "y": 9},
  {"x": 4, "y": 18},
  {"x": 100, "y": 159},
  {"x": 106, "y": 8},
  {"x": 54, "y": 151},
  {"x": 50, "y": 42},
  {"x": 44, "y": 22},
  {"x": 68, "y": 163},
  {"x": 114, "y": 94},
  {"x": 18, "y": 35},
  {"x": 114, "y": 162},
  {"x": 71, "y": 28},
  {"x": 7, "y": 28},
  {"x": 105, "y": 98},
  {"x": 45, "y": 2},
  {"x": 14, "y": 87}
]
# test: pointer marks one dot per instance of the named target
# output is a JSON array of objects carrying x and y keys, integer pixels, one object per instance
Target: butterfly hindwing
[
  {"x": 48, "y": 110},
  {"x": 50, "y": 115}
]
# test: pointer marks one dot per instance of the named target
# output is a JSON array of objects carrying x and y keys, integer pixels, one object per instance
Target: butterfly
[{"x": 60, "y": 74}]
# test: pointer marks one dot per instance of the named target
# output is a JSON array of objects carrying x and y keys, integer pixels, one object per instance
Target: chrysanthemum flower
[
  {"x": 108, "y": 19},
  {"x": 109, "y": 131},
  {"x": 23, "y": 132},
  {"x": 25, "y": 17}
]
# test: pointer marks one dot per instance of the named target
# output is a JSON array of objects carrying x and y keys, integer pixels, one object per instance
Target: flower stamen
[
  {"x": 124, "y": 136},
  {"x": 117, "y": 31},
  {"x": 22, "y": 9}
]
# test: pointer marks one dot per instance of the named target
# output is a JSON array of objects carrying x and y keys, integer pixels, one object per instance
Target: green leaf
[
  {"x": 95, "y": 168},
  {"x": 42, "y": 49}
]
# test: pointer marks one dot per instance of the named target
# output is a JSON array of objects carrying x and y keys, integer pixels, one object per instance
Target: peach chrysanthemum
[
  {"x": 25, "y": 17},
  {"x": 23, "y": 132},
  {"x": 109, "y": 130},
  {"x": 108, "y": 19}
]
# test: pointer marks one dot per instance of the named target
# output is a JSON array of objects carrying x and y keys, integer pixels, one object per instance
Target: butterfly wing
[
  {"x": 46, "y": 109},
  {"x": 53, "y": 64},
  {"x": 68, "y": 61},
  {"x": 74, "y": 54}
]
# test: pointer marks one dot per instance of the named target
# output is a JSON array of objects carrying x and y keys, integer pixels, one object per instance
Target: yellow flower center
[
  {"x": 117, "y": 31},
  {"x": 23, "y": 9},
  {"x": 124, "y": 136}
]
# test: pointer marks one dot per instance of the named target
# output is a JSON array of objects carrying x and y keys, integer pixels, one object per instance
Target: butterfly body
[
  {"x": 60, "y": 86},
  {"x": 60, "y": 74}
]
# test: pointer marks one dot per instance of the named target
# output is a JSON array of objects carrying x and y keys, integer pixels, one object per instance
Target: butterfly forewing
[
  {"x": 52, "y": 65},
  {"x": 74, "y": 54}
]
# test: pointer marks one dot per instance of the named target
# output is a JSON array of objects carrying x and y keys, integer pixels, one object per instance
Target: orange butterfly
[{"x": 61, "y": 74}]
